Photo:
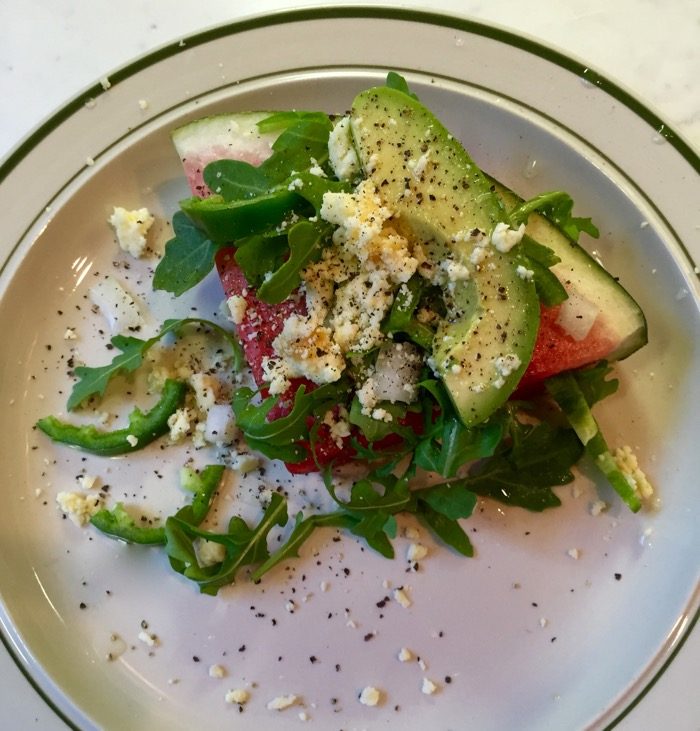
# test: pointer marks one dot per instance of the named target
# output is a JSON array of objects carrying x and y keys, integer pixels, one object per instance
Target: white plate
[{"x": 521, "y": 109}]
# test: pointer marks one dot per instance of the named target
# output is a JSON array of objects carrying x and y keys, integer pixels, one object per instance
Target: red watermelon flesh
[{"x": 557, "y": 351}]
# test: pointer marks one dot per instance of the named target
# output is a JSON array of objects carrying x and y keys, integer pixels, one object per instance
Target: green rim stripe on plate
[{"x": 463, "y": 24}]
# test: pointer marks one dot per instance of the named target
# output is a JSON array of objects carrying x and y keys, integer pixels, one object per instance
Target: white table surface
[{"x": 50, "y": 50}]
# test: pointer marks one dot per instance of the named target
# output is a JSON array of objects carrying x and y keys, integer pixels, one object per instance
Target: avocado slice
[{"x": 439, "y": 196}]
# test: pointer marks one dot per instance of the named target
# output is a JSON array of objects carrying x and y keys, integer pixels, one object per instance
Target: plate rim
[
  {"x": 359, "y": 12},
  {"x": 486, "y": 30}
]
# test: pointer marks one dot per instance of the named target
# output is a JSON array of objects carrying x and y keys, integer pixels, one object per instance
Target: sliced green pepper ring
[{"x": 142, "y": 428}]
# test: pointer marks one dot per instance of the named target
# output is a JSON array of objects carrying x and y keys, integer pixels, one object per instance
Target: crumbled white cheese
[
  {"x": 341, "y": 151},
  {"x": 210, "y": 553},
  {"x": 78, "y": 507},
  {"x": 524, "y": 273},
  {"x": 505, "y": 365},
  {"x": 281, "y": 702},
  {"x": 148, "y": 638},
  {"x": 370, "y": 696},
  {"x": 337, "y": 422},
  {"x": 367, "y": 396},
  {"x": 598, "y": 506},
  {"x": 418, "y": 167},
  {"x": 132, "y": 439},
  {"x": 131, "y": 228},
  {"x": 237, "y": 306},
  {"x": 382, "y": 415},
  {"x": 276, "y": 374},
  {"x": 324, "y": 586},
  {"x": 359, "y": 215},
  {"x": 402, "y": 598},
  {"x": 303, "y": 716},
  {"x": 428, "y": 687},
  {"x": 412, "y": 533},
  {"x": 405, "y": 655},
  {"x": 237, "y": 695},
  {"x": 575, "y": 553},
  {"x": 306, "y": 349},
  {"x": 87, "y": 481},
  {"x": 455, "y": 271},
  {"x": 626, "y": 461},
  {"x": 180, "y": 423},
  {"x": 217, "y": 671},
  {"x": 359, "y": 309},
  {"x": 69, "y": 334},
  {"x": 316, "y": 169},
  {"x": 504, "y": 238},
  {"x": 245, "y": 463},
  {"x": 416, "y": 552}
]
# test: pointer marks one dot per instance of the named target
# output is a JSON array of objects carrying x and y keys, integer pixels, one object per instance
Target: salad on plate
[{"x": 398, "y": 322}]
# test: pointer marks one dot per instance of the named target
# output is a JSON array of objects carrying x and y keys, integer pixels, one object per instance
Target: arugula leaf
[
  {"x": 593, "y": 384},
  {"x": 396, "y": 81},
  {"x": 447, "y": 530},
  {"x": 401, "y": 316},
  {"x": 540, "y": 458},
  {"x": 257, "y": 255},
  {"x": 306, "y": 240},
  {"x": 364, "y": 498},
  {"x": 283, "y": 120},
  {"x": 303, "y": 528},
  {"x": 376, "y": 429},
  {"x": 544, "y": 454},
  {"x": 451, "y": 499},
  {"x": 557, "y": 207},
  {"x": 92, "y": 381},
  {"x": 372, "y": 528},
  {"x": 538, "y": 259},
  {"x": 244, "y": 546},
  {"x": 497, "y": 478},
  {"x": 235, "y": 180},
  {"x": 294, "y": 149},
  {"x": 313, "y": 187},
  {"x": 458, "y": 445},
  {"x": 188, "y": 257}
]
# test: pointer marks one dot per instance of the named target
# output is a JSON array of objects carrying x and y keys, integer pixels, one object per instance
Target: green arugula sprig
[
  {"x": 93, "y": 381},
  {"x": 188, "y": 258},
  {"x": 557, "y": 206}
]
